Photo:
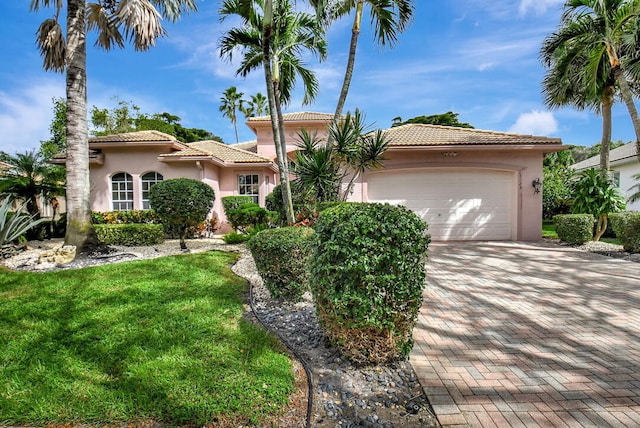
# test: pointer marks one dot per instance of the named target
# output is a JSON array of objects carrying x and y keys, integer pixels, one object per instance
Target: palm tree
[
  {"x": 257, "y": 106},
  {"x": 389, "y": 18},
  {"x": 29, "y": 177},
  {"x": 114, "y": 20},
  {"x": 274, "y": 40},
  {"x": 604, "y": 29},
  {"x": 230, "y": 103},
  {"x": 570, "y": 81}
]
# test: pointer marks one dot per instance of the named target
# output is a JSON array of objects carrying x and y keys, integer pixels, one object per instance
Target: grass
[{"x": 154, "y": 340}]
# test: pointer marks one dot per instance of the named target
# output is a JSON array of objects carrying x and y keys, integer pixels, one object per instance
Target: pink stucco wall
[{"x": 264, "y": 136}]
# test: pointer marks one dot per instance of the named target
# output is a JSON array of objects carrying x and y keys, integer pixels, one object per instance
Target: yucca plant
[{"x": 15, "y": 225}]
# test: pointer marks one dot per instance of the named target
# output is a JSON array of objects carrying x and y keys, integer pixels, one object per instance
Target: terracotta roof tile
[
  {"x": 250, "y": 146},
  {"x": 435, "y": 135},
  {"x": 299, "y": 116},
  {"x": 137, "y": 136},
  {"x": 221, "y": 151},
  {"x": 627, "y": 151}
]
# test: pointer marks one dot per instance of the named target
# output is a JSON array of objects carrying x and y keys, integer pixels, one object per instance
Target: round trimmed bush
[
  {"x": 282, "y": 258},
  {"x": 367, "y": 277},
  {"x": 574, "y": 228},
  {"x": 181, "y": 203}
]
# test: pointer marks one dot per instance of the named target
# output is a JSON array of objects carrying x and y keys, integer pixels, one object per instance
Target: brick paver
[{"x": 529, "y": 335}]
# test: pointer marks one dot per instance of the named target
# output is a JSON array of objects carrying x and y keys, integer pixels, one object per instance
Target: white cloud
[
  {"x": 539, "y": 7},
  {"x": 535, "y": 123},
  {"x": 26, "y": 113}
]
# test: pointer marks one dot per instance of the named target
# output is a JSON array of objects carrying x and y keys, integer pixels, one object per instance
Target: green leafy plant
[
  {"x": 367, "y": 277},
  {"x": 595, "y": 194},
  {"x": 282, "y": 258},
  {"x": 574, "y": 228},
  {"x": 15, "y": 224},
  {"x": 626, "y": 226},
  {"x": 230, "y": 203},
  {"x": 133, "y": 234},
  {"x": 249, "y": 216},
  {"x": 181, "y": 203}
]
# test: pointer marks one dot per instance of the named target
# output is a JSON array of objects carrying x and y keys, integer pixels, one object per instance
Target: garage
[{"x": 457, "y": 204}]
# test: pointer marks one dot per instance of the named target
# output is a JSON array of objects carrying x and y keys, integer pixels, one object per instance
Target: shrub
[
  {"x": 130, "y": 234},
  {"x": 249, "y": 216},
  {"x": 626, "y": 226},
  {"x": 181, "y": 203},
  {"x": 282, "y": 258},
  {"x": 125, "y": 217},
  {"x": 230, "y": 203},
  {"x": 235, "y": 238},
  {"x": 367, "y": 276},
  {"x": 574, "y": 228},
  {"x": 303, "y": 203}
]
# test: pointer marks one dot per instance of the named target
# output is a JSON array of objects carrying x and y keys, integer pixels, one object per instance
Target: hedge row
[
  {"x": 130, "y": 234},
  {"x": 574, "y": 228},
  {"x": 626, "y": 226}
]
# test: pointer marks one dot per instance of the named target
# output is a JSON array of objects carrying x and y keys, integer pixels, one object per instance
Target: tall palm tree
[
  {"x": 115, "y": 21},
  {"x": 29, "y": 177},
  {"x": 230, "y": 103},
  {"x": 389, "y": 17},
  {"x": 570, "y": 81},
  {"x": 273, "y": 36},
  {"x": 603, "y": 28},
  {"x": 258, "y": 105}
]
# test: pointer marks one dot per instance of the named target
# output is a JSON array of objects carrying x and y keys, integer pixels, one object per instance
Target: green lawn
[{"x": 153, "y": 340}]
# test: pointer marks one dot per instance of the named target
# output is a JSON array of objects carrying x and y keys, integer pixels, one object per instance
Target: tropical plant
[
  {"x": 258, "y": 105},
  {"x": 58, "y": 129},
  {"x": 181, "y": 203},
  {"x": 593, "y": 43},
  {"x": 389, "y": 17},
  {"x": 230, "y": 102},
  {"x": 273, "y": 35},
  {"x": 30, "y": 177},
  {"x": 14, "y": 224},
  {"x": 558, "y": 180},
  {"x": 115, "y": 21},
  {"x": 351, "y": 149},
  {"x": 596, "y": 194}
]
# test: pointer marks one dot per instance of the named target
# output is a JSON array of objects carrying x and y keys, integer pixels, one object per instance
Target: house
[
  {"x": 467, "y": 184},
  {"x": 624, "y": 165}
]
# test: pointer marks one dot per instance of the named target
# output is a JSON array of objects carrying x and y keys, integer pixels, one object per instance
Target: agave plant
[{"x": 14, "y": 226}]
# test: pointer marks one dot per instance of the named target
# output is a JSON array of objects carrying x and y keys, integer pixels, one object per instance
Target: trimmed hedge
[
  {"x": 367, "y": 277},
  {"x": 574, "y": 228},
  {"x": 125, "y": 217},
  {"x": 250, "y": 216},
  {"x": 130, "y": 234},
  {"x": 230, "y": 203},
  {"x": 282, "y": 258},
  {"x": 626, "y": 226}
]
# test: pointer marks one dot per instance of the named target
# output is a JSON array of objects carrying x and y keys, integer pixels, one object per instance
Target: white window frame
[
  {"x": 615, "y": 178},
  {"x": 250, "y": 188},
  {"x": 145, "y": 185},
  {"x": 122, "y": 191}
]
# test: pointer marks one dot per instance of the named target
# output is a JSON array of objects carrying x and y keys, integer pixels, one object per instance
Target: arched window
[
  {"x": 148, "y": 180},
  {"x": 122, "y": 191}
]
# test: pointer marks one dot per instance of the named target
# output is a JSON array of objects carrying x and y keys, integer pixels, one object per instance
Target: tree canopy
[{"x": 444, "y": 119}]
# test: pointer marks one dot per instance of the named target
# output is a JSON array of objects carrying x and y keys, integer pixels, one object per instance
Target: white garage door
[{"x": 456, "y": 204}]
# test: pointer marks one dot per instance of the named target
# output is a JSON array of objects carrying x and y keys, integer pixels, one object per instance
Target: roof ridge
[
  {"x": 228, "y": 146},
  {"x": 464, "y": 129}
]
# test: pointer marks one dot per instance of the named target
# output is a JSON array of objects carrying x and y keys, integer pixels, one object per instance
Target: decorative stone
[{"x": 58, "y": 256}]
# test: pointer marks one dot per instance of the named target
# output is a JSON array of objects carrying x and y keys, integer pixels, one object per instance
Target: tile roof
[
  {"x": 627, "y": 151},
  {"x": 436, "y": 135},
  {"x": 299, "y": 116},
  {"x": 250, "y": 146},
  {"x": 220, "y": 151},
  {"x": 137, "y": 136}
]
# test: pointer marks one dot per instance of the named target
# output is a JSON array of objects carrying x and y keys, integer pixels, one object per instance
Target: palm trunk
[
  {"x": 605, "y": 143},
  {"x": 355, "y": 33},
  {"x": 627, "y": 97},
  {"x": 80, "y": 231},
  {"x": 273, "y": 108}
]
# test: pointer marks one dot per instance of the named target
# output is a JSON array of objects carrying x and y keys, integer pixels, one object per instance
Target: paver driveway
[{"x": 525, "y": 335}]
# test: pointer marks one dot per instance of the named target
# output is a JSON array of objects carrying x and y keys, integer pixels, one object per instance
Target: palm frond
[
  {"x": 99, "y": 19},
  {"x": 141, "y": 23},
  {"x": 52, "y": 45}
]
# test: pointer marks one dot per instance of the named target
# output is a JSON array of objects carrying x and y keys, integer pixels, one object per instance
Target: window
[
  {"x": 148, "y": 180},
  {"x": 249, "y": 185},
  {"x": 615, "y": 177},
  {"x": 122, "y": 191}
]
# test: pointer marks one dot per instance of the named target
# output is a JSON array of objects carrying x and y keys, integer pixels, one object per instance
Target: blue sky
[{"x": 478, "y": 58}]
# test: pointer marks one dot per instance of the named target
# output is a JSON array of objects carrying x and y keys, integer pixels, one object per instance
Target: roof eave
[{"x": 551, "y": 147}]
